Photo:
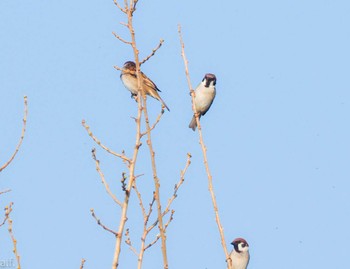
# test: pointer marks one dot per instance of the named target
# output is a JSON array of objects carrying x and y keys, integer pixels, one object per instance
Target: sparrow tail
[
  {"x": 164, "y": 104},
  {"x": 193, "y": 123}
]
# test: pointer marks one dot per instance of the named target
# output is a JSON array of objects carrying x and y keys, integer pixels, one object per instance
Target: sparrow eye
[{"x": 244, "y": 245}]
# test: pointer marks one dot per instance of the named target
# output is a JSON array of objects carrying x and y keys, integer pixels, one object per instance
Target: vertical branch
[
  {"x": 8, "y": 210},
  {"x": 156, "y": 187},
  {"x": 22, "y": 135},
  {"x": 123, "y": 218},
  {"x": 142, "y": 101},
  {"x": 204, "y": 150}
]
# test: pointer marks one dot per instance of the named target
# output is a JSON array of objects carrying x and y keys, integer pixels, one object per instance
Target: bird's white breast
[
  {"x": 204, "y": 97},
  {"x": 130, "y": 83}
]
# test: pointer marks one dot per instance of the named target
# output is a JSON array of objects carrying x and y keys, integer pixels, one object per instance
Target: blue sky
[{"x": 277, "y": 134}]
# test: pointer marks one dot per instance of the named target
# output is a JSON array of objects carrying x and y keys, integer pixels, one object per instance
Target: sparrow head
[
  {"x": 240, "y": 245},
  {"x": 129, "y": 65},
  {"x": 209, "y": 80}
]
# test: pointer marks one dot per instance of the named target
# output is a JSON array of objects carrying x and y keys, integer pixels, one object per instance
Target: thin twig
[
  {"x": 156, "y": 122},
  {"x": 124, "y": 24},
  {"x": 153, "y": 242},
  {"x": 138, "y": 194},
  {"x": 170, "y": 219},
  {"x": 121, "y": 39},
  {"x": 8, "y": 211},
  {"x": 22, "y": 135},
  {"x": 119, "y": 6},
  {"x": 178, "y": 185},
  {"x": 82, "y": 263},
  {"x": 98, "y": 142},
  {"x": 129, "y": 243},
  {"x": 153, "y": 52},
  {"x": 100, "y": 223},
  {"x": 5, "y": 191},
  {"x": 104, "y": 182},
  {"x": 118, "y": 68},
  {"x": 204, "y": 150},
  {"x": 158, "y": 235},
  {"x": 145, "y": 233},
  {"x": 133, "y": 5}
]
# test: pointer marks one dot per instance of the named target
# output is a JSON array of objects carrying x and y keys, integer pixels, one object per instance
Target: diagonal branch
[
  {"x": 155, "y": 123},
  {"x": 178, "y": 185},
  {"x": 4, "y": 191},
  {"x": 204, "y": 150},
  {"x": 104, "y": 182},
  {"x": 129, "y": 243},
  {"x": 100, "y": 223},
  {"x": 8, "y": 210},
  {"x": 121, "y": 39},
  {"x": 22, "y": 135},
  {"x": 119, "y": 6},
  {"x": 153, "y": 52},
  {"x": 98, "y": 142}
]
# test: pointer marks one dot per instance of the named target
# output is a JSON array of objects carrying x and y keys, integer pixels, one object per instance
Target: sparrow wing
[
  {"x": 148, "y": 82},
  {"x": 208, "y": 107}
]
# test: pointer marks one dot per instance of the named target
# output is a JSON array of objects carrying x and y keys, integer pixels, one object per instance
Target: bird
[
  {"x": 129, "y": 79},
  {"x": 240, "y": 254},
  {"x": 204, "y": 97}
]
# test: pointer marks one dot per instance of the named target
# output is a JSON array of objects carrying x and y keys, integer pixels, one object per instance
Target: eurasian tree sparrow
[
  {"x": 240, "y": 254},
  {"x": 129, "y": 79},
  {"x": 204, "y": 97}
]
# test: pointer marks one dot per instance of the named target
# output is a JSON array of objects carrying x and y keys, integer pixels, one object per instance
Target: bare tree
[
  {"x": 129, "y": 180},
  {"x": 204, "y": 151}
]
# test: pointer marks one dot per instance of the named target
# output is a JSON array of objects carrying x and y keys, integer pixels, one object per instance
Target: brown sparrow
[{"x": 129, "y": 79}]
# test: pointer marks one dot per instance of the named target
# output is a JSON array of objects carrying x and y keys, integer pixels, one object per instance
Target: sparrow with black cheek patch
[
  {"x": 240, "y": 254},
  {"x": 129, "y": 79},
  {"x": 204, "y": 97}
]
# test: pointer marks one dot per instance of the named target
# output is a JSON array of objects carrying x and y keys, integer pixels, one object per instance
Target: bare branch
[
  {"x": 153, "y": 242},
  {"x": 100, "y": 223},
  {"x": 134, "y": 7},
  {"x": 118, "y": 68},
  {"x": 119, "y": 6},
  {"x": 4, "y": 191},
  {"x": 153, "y": 52},
  {"x": 104, "y": 182},
  {"x": 149, "y": 211},
  {"x": 121, "y": 39},
  {"x": 128, "y": 242},
  {"x": 156, "y": 122},
  {"x": 204, "y": 150},
  {"x": 158, "y": 235},
  {"x": 8, "y": 210},
  {"x": 22, "y": 135},
  {"x": 124, "y": 24},
  {"x": 82, "y": 263},
  {"x": 178, "y": 185},
  {"x": 170, "y": 219},
  {"x": 140, "y": 200},
  {"x": 98, "y": 142}
]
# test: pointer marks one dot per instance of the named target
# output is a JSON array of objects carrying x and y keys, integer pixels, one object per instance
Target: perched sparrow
[
  {"x": 129, "y": 79},
  {"x": 204, "y": 97},
  {"x": 240, "y": 254}
]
